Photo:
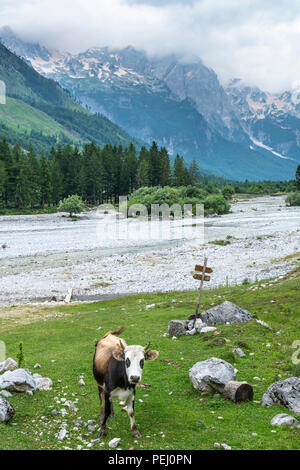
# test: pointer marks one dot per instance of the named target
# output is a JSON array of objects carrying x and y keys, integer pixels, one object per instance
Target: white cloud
[{"x": 254, "y": 40}]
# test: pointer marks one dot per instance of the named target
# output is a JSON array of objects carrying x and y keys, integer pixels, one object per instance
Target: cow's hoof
[
  {"x": 112, "y": 415},
  {"x": 136, "y": 434},
  {"x": 102, "y": 432}
]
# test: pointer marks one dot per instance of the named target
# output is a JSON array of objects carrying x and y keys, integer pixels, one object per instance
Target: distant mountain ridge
[{"x": 180, "y": 105}]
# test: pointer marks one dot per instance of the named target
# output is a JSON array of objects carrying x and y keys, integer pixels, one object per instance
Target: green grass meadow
[{"x": 181, "y": 420}]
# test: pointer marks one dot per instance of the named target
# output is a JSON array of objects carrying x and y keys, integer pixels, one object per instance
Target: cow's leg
[
  {"x": 101, "y": 398},
  {"x": 130, "y": 411},
  {"x": 112, "y": 412},
  {"x": 107, "y": 413}
]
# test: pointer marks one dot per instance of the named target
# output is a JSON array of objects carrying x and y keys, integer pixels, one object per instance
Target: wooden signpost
[{"x": 201, "y": 277}]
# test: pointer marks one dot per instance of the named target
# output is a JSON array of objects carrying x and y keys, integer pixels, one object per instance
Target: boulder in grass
[
  {"x": 9, "y": 364},
  {"x": 211, "y": 374},
  {"x": 285, "y": 420},
  {"x": 18, "y": 380},
  {"x": 6, "y": 410},
  {"x": 114, "y": 443},
  {"x": 43, "y": 383},
  {"x": 177, "y": 327},
  {"x": 285, "y": 392},
  {"x": 227, "y": 312}
]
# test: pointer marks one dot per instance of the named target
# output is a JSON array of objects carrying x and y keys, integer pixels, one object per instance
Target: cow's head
[{"x": 134, "y": 357}]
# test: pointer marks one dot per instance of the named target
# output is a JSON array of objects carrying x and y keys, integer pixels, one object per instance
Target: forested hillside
[{"x": 39, "y": 112}]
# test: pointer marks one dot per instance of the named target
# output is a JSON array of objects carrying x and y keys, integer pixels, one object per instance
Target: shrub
[
  {"x": 72, "y": 204},
  {"x": 216, "y": 204},
  {"x": 293, "y": 199},
  {"x": 228, "y": 191},
  {"x": 20, "y": 356}
]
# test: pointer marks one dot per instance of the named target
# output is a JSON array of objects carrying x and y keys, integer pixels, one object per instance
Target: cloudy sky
[{"x": 256, "y": 40}]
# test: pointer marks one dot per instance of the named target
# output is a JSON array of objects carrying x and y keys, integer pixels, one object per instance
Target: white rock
[
  {"x": 114, "y": 443},
  {"x": 262, "y": 323},
  {"x": 9, "y": 364},
  {"x": 43, "y": 383},
  {"x": 37, "y": 366},
  {"x": 284, "y": 419},
  {"x": 285, "y": 392},
  {"x": 199, "y": 324},
  {"x": 81, "y": 383},
  {"x": 226, "y": 447},
  {"x": 18, "y": 380},
  {"x": 192, "y": 332},
  {"x": 239, "y": 352},
  {"x": 6, "y": 410},
  {"x": 62, "y": 434},
  {"x": 212, "y": 371},
  {"x": 6, "y": 394},
  {"x": 206, "y": 329},
  {"x": 149, "y": 306}
]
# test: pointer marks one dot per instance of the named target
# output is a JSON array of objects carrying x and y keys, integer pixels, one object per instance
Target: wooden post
[
  {"x": 69, "y": 296},
  {"x": 200, "y": 288}
]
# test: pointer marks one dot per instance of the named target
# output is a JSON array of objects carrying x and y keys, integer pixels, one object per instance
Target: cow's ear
[
  {"x": 118, "y": 354},
  {"x": 151, "y": 355}
]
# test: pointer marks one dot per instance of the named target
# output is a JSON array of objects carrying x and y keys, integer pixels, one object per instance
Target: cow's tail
[{"x": 115, "y": 332}]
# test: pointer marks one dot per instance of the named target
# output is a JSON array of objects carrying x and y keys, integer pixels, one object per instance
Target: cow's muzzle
[{"x": 135, "y": 379}]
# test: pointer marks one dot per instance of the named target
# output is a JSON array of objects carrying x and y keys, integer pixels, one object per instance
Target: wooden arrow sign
[
  {"x": 198, "y": 268},
  {"x": 199, "y": 277}
]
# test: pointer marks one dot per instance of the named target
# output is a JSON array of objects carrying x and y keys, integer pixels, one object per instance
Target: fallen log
[{"x": 238, "y": 391}]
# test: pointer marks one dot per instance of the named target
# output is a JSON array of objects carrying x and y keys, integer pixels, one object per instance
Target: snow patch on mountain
[{"x": 266, "y": 147}]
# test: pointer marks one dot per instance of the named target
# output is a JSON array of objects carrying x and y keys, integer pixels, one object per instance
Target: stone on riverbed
[
  {"x": 6, "y": 410},
  {"x": 285, "y": 392},
  {"x": 285, "y": 420},
  {"x": 227, "y": 312},
  {"x": 213, "y": 371},
  {"x": 18, "y": 380},
  {"x": 177, "y": 327}
]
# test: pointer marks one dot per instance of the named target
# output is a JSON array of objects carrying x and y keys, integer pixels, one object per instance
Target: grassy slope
[
  {"x": 22, "y": 117},
  {"x": 187, "y": 420}
]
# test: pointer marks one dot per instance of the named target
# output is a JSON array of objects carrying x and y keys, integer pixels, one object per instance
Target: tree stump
[{"x": 238, "y": 391}]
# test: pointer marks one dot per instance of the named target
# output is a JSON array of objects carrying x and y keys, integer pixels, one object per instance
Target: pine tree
[
  {"x": 34, "y": 189},
  {"x": 45, "y": 181},
  {"x": 155, "y": 167},
  {"x": 298, "y": 178},
  {"x": 179, "y": 174},
  {"x": 194, "y": 172},
  {"x": 165, "y": 169}
]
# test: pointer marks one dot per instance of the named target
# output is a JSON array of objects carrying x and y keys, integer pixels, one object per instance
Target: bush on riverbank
[
  {"x": 213, "y": 203},
  {"x": 293, "y": 199}
]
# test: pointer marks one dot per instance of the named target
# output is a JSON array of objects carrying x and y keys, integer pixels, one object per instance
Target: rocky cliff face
[
  {"x": 240, "y": 132},
  {"x": 271, "y": 120}
]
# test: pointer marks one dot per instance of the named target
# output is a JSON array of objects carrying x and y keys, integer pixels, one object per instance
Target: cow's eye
[
  {"x": 142, "y": 363},
  {"x": 127, "y": 362}
]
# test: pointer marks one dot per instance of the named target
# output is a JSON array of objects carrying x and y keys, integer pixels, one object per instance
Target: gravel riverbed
[{"x": 45, "y": 255}]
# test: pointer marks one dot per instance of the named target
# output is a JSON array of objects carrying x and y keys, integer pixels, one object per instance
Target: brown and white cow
[{"x": 117, "y": 370}]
